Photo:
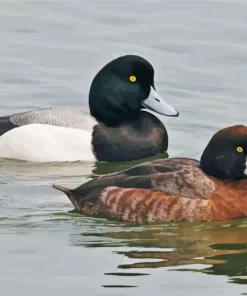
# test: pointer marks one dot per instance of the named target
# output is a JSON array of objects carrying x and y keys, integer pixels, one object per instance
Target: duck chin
[{"x": 161, "y": 118}]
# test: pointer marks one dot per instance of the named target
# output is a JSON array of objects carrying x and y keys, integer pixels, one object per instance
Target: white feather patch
[{"x": 46, "y": 143}]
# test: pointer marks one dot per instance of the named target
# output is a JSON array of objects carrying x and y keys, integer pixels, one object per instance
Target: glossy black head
[
  {"x": 120, "y": 88},
  {"x": 225, "y": 155}
]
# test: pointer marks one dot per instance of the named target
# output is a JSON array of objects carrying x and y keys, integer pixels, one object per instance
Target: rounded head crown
[
  {"x": 119, "y": 88},
  {"x": 225, "y": 155}
]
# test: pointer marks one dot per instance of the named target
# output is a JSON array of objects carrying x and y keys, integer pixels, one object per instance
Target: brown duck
[{"x": 176, "y": 189}]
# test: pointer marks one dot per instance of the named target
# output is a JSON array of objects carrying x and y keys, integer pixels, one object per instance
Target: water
[{"x": 49, "y": 53}]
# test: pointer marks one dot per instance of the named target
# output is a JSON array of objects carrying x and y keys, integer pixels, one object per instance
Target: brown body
[{"x": 177, "y": 189}]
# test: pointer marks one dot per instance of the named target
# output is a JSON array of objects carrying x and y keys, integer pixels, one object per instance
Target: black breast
[{"x": 142, "y": 138}]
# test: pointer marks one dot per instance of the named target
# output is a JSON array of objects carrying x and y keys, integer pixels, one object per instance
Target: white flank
[{"x": 46, "y": 143}]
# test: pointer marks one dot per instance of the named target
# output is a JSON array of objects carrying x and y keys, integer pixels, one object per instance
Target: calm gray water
[{"x": 49, "y": 53}]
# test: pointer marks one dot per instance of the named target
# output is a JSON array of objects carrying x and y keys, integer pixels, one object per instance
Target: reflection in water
[
  {"x": 29, "y": 170},
  {"x": 176, "y": 246},
  {"x": 106, "y": 168}
]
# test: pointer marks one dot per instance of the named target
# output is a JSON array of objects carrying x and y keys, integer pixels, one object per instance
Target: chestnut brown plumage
[{"x": 176, "y": 189}]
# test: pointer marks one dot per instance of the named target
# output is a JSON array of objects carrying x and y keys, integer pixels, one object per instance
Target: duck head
[
  {"x": 122, "y": 88},
  {"x": 225, "y": 155}
]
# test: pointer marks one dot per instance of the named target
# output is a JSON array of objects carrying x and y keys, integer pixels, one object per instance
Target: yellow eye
[
  {"x": 240, "y": 149},
  {"x": 132, "y": 78}
]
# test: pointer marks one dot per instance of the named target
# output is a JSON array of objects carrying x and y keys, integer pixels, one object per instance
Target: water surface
[{"x": 49, "y": 53}]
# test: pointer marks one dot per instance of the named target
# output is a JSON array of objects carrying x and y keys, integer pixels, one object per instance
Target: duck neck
[
  {"x": 146, "y": 122},
  {"x": 110, "y": 117}
]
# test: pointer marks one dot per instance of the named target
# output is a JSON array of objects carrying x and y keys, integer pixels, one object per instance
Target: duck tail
[
  {"x": 61, "y": 188},
  {"x": 65, "y": 190}
]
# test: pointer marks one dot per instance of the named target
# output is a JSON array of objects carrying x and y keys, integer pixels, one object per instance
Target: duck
[
  {"x": 181, "y": 189},
  {"x": 124, "y": 121}
]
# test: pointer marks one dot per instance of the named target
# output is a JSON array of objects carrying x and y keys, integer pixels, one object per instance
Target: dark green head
[{"x": 122, "y": 88}]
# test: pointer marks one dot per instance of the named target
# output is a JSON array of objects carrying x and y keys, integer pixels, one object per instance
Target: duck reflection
[{"x": 221, "y": 247}]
